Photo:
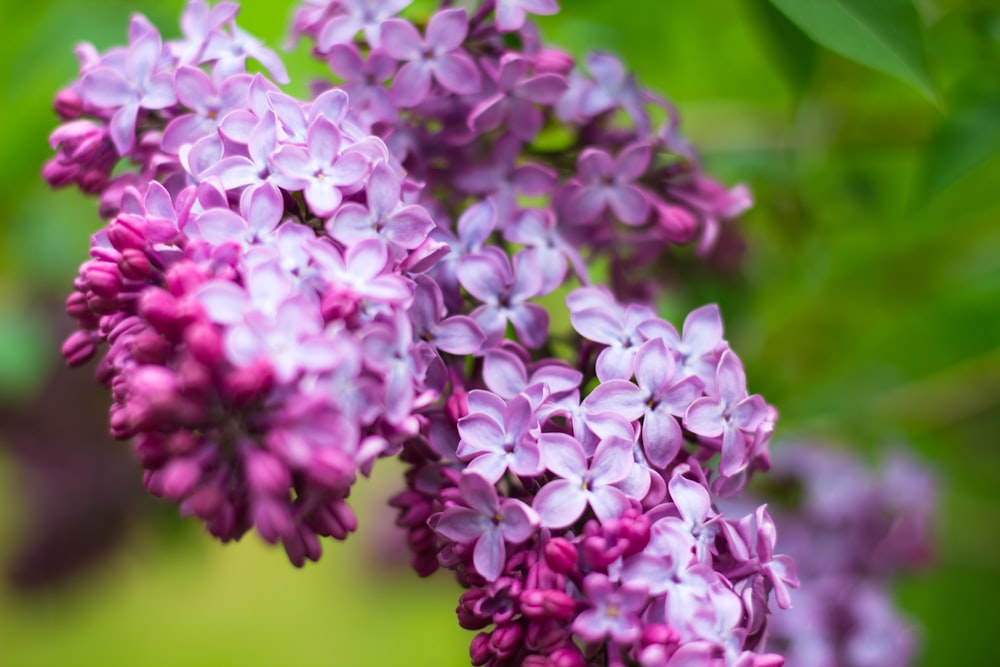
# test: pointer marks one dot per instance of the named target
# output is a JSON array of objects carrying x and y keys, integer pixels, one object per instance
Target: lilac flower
[
  {"x": 257, "y": 170},
  {"x": 511, "y": 13},
  {"x": 505, "y": 439},
  {"x": 196, "y": 91},
  {"x": 230, "y": 53},
  {"x": 516, "y": 98},
  {"x": 488, "y": 522},
  {"x": 385, "y": 216},
  {"x": 728, "y": 412},
  {"x": 137, "y": 86},
  {"x": 321, "y": 169},
  {"x": 363, "y": 79},
  {"x": 536, "y": 228},
  {"x": 439, "y": 56},
  {"x": 504, "y": 294},
  {"x": 698, "y": 350},
  {"x": 608, "y": 183},
  {"x": 367, "y": 15},
  {"x": 664, "y": 399},
  {"x": 561, "y": 502},
  {"x": 613, "y": 613},
  {"x": 457, "y": 334},
  {"x": 596, "y": 316}
]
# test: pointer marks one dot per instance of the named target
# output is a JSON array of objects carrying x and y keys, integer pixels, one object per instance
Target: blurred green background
[{"x": 867, "y": 309}]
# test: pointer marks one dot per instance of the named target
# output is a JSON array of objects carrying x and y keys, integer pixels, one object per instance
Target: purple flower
[
  {"x": 614, "y": 612},
  {"x": 488, "y": 522},
  {"x": 321, "y": 169},
  {"x": 698, "y": 350},
  {"x": 511, "y": 13},
  {"x": 728, "y": 412},
  {"x": 137, "y": 86},
  {"x": 504, "y": 294},
  {"x": 403, "y": 226},
  {"x": 501, "y": 437},
  {"x": 596, "y": 315},
  {"x": 516, "y": 98},
  {"x": 367, "y": 15},
  {"x": 196, "y": 91},
  {"x": 608, "y": 183},
  {"x": 458, "y": 334},
  {"x": 439, "y": 56},
  {"x": 363, "y": 79},
  {"x": 561, "y": 502}
]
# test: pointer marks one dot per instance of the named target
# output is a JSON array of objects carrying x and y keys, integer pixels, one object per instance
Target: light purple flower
[
  {"x": 439, "y": 56},
  {"x": 403, "y": 226},
  {"x": 516, "y": 98},
  {"x": 137, "y": 86},
  {"x": 728, "y": 412},
  {"x": 614, "y": 612},
  {"x": 458, "y": 334},
  {"x": 209, "y": 106},
  {"x": 562, "y": 501},
  {"x": 597, "y": 316},
  {"x": 504, "y": 294},
  {"x": 511, "y": 13},
  {"x": 488, "y": 522},
  {"x": 367, "y": 15},
  {"x": 363, "y": 81},
  {"x": 321, "y": 169},
  {"x": 698, "y": 350},
  {"x": 608, "y": 183},
  {"x": 501, "y": 439}
]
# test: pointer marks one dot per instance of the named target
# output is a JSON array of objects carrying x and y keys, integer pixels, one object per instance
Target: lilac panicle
[{"x": 287, "y": 290}]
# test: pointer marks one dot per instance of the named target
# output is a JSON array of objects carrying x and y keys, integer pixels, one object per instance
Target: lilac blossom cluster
[
  {"x": 582, "y": 522},
  {"x": 287, "y": 290},
  {"x": 852, "y": 531}
]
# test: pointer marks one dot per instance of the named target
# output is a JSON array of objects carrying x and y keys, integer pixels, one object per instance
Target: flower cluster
[
  {"x": 852, "y": 531},
  {"x": 287, "y": 290}
]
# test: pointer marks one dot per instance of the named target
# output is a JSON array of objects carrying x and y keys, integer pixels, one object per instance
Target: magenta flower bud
[
  {"x": 547, "y": 604},
  {"x": 104, "y": 279},
  {"x": 479, "y": 649},
  {"x": 468, "y": 617},
  {"x": 135, "y": 265},
  {"x": 545, "y": 636},
  {"x": 150, "y": 450},
  {"x": 660, "y": 634},
  {"x": 127, "y": 231},
  {"x": 273, "y": 520},
  {"x": 102, "y": 305},
  {"x": 553, "y": 61},
  {"x": 58, "y": 174},
  {"x": 678, "y": 225},
  {"x": 93, "y": 181},
  {"x": 76, "y": 306},
  {"x": 560, "y": 555},
  {"x": 421, "y": 539},
  {"x": 158, "y": 307},
  {"x": 768, "y": 660},
  {"x": 79, "y": 348},
  {"x": 506, "y": 639},
  {"x": 68, "y": 105},
  {"x": 184, "y": 278},
  {"x": 266, "y": 473},
  {"x": 567, "y": 656},
  {"x": 332, "y": 469},
  {"x": 121, "y": 423},
  {"x": 149, "y": 348},
  {"x": 205, "y": 343},
  {"x": 182, "y": 443},
  {"x": 176, "y": 480},
  {"x": 249, "y": 383},
  {"x": 206, "y": 502}
]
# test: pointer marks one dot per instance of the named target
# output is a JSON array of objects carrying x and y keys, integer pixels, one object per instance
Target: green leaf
[
  {"x": 883, "y": 34},
  {"x": 966, "y": 139},
  {"x": 793, "y": 53}
]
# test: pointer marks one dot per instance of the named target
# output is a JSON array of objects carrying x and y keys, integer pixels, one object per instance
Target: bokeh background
[{"x": 866, "y": 307}]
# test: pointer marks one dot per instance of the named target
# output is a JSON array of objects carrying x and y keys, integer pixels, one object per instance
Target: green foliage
[{"x": 883, "y": 34}]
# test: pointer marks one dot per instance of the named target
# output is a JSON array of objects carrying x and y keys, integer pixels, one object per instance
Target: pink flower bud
[
  {"x": 205, "y": 343},
  {"x": 68, "y": 105},
  {"x": 560, "y": 555},
  {"x": 159, "y": 308},
  {"x": 266, "y": 473},
  {"x": 677, "y": 224},
  {"x": 79, "y": 348},
  {"x": 135, "y": 265},
  {"x": 479, "y": 649}
]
